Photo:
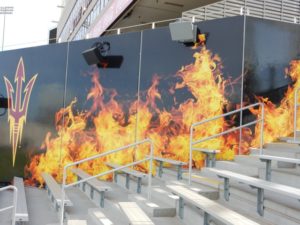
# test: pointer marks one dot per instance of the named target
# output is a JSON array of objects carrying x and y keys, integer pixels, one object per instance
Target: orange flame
[
  {"x": 169, "y": 129},
  {"x": 279, "y": 119}
]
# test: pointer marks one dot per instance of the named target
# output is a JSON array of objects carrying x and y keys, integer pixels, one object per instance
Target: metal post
[
  {"x": 62, "y": 206},
  {"x": 181, "y": 208},
  {"x": 206, "y": 219},
  {"x": 160, "y": 169},
  {"x": 78, "y": 178},
  {"x": 91, "y": 192},
  {"x": 207, "y": 160},
  {"x": 268, "y": 169},
  {"x": 116, "y": 177},
  {"x": 262, "y": 128},
  {"x": 127, "y": 180},
  {"x": 102, "y": 199},
  {"x": 260, "y": 201},
  {"x": 226, "y": 188},
  {"x": 150, "y": 170},
  {"x": 139, "y": 185},
  {"x": 213, "y": 163},
  {"x": 179, "y": 172},
  {"x": 295, "y": 113},
  {"x": 191, "y": 155}
]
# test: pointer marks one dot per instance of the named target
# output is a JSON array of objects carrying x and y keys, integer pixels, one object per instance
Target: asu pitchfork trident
[{"x": 17, "y": 110}]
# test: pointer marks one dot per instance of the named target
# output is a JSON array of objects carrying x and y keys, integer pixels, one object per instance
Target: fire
[
  {"x": 113, "y": 126},
  {"x": 279, "y": 119}
]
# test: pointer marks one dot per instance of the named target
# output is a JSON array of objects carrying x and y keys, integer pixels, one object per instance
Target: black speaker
[
  {"x": 92, "y": 56},
  {"x": 3, "y": 102}
]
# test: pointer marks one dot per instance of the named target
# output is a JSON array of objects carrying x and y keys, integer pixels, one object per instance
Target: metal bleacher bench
[
  {"x": 128, "y": 172},
  {"x": 268, "y": 160},
  {"x": 54, "y": 191},
  {"x": 259, "y": 184},
  {"x": 21, "y": 210},
  {"x": 178, "y": 164},
  {"x": 210, "y": 208},
  {"x": 95, "y": 185},
  {"x": 210, "y": 159},
  {"x": 135, "y": 214}
]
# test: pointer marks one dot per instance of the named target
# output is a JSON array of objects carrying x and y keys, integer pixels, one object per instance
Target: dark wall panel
[
  {"x": 270, "y": 48},
  {"x": 46, "y": 98}
]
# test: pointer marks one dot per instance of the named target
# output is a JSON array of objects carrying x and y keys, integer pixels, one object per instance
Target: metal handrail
[
  {"x": 148, "y": 158},
  {"x": 296, "y": 105},
  {"x": 225, "y": 132},
  {"x": 14, "y": 206},
  {"x": 249, "y": 9}
]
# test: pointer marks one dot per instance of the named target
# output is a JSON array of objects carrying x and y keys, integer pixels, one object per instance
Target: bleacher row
[{"x": 210, "y": 210}]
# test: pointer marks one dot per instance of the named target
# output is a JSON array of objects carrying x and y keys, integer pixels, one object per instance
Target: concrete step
[
  {"x": 286, "y": 139},
  {"x": 253, "y": 160},
  {"x": 81, "y": 204},
  {"x": 283, "y": 176},
  {"x": 290, "y": 137},
  {"x": 77, "y": 222},
  {"x": 284, "y": 146},
  {"x": 155, "y": 207},
  {"x": 170, "y": 179},
  {"x": 289, "y": 153},
  {"x": 206, "y": 191},
  {"x": 237, "y": 167},
  {"x": 163, "y": 202},
  {"x": 118, "y": 193},
  {"x": 110, "y": 214},
  {"x": 97, "y": 217},
  {"x": 201, "y": 178},
  {"x": 249, "y": 160}
]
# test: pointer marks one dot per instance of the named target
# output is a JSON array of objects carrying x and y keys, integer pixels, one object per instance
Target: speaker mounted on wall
[
  {"x": 183, "y": 31},
  {"x": 98, "y": 54}
]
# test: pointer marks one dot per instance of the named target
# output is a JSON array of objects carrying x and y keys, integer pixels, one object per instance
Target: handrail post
[
  {"x": 262, "y": 128},
  {"x": 62, "y": 204},
  {"x": 150, "y": 170},
  {"x": 295, "y": 113},
  {"x": 13, "y": 219},
  {"x": 191, "y": 155}
]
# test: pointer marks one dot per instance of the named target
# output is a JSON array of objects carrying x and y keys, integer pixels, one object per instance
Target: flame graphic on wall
[
  {"x": 279, "y": 119},
  {"x": 113, "y": 127}
]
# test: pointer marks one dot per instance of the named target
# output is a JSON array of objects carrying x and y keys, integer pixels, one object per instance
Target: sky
[{"x": 29, "y": 24}]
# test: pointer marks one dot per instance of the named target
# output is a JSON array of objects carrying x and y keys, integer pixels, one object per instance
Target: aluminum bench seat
[
  {"x": 268, "y": 160},
  {"x": 259, "y": 184},
  {"x": 176, "y": 163},
  {"x": 21, "y": 210},
  {"x": 95, "y": 185},
  {"x": 139, "y": 175},
  {"x": 54, "y": 191},
  {"x": 210, "y": 208}
]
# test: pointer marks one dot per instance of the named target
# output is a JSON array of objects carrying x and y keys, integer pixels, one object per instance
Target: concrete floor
[{"x": 243, "y": 200}]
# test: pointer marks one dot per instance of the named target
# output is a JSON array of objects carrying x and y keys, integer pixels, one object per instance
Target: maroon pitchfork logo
[{"x": 17, "y": 110}]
